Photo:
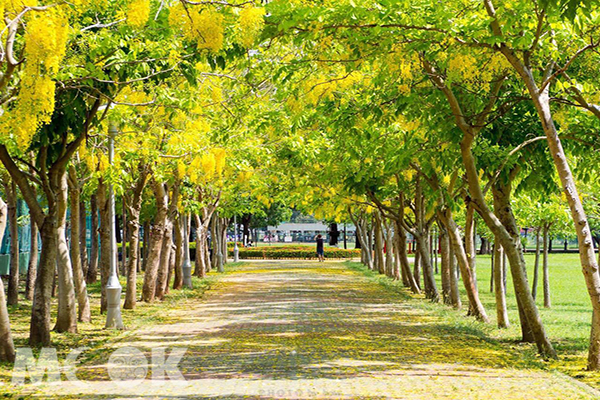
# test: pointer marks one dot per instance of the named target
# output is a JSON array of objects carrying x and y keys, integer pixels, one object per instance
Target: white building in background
[{"x": 303, "y": 232}]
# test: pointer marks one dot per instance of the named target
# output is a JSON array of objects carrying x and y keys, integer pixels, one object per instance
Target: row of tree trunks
[
  {"x": 504, "y": 227},
  {"x": 501, "y": 229},
  {"x": 540, "y": 97}
]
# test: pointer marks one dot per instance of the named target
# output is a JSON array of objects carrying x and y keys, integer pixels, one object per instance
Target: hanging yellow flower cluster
[
  {"x": 45, "y": 46},
  {"x": 207, "y": 167},
  {"x": 251, "y": 22},
  {"x": 138, "y": 13},
  {"x": 203, "y": 25},
  {"x": 209, "y": 25},
  {"x": 14, "y": 6}
]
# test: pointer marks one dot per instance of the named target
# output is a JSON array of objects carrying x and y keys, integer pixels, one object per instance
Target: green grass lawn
[{"x": 567, "y": 323}]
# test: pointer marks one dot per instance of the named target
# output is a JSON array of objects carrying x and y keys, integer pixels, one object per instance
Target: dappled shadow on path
[{"x": 284, "y": 330}]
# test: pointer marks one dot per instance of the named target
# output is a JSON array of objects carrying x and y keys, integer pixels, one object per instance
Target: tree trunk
[
  {"x": 357, "y": 243},
  {"x": 214, "y": 242},
  {"x": 39, "y": 330},
  {"x": 366, "y": 250},
  {"x": 171, "y": 269},
  {"x": 445, "y": 255},
  {"x": 485, "y": 246},
  {"x": 396, "y": 268},
  {"x": 246, "y": 219},
  {"x": 200, "y": 262},
  {"x": 156, "y": 241},
  {"x": 66, "y": 320},
  {"x": 361, "y": 237},
  {"x": 370, "y": 239},
  {"x": 13, "y": 281},
  {"x": 147, "y": 230},
  {"x": 105, "y": 254},
  {"x": 512, "y": 247},
  {"x": 165, "y": 258},
  {"x": 132, "y": 263},
  {"x": 179, "y": 237},
  {"x": 432, "y": 255},
  {"x": 207, "y": 260},
  {"x": 402, "y": 254},
  {"x": 500, "y": 293},
  {"x": 492, "y": 260},
  {"x": 389, "y": 254},
  {"x": 221, "y": 243},
  {"x": 92, "y": 272},
  {"x": 502, "y": 209},
  {"x": 223, "y": 238},
  {"x": 83, "y": 237},
  {"x": 7, "y": 347},
  {"x": 33, "y": 260},
  {"x": 470, "y": 241},
  {"x": 431, "y": 291},
  {"x": 133, "y": 203},
  {"x": 454, "y": 291},
  {"x": 536, "y": 264},
  {"x": 416, "y": 263},
  {"x": 125, "y": 238},
  {"x": 547, "y": 302},
  {"x": 84, "y": 313},
  {"x": 379, "y": 257}
]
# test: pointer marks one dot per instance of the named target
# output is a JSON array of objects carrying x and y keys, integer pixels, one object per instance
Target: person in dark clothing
[{"x": 320, "y": 249}]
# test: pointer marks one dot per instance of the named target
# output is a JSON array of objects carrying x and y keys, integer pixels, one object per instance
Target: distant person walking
[{"x": 320, "y": 249}]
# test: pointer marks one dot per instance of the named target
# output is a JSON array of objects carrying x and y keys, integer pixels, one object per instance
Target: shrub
[{"x": 294, "y": 252}]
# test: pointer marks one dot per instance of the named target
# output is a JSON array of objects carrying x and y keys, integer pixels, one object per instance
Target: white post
[
  {"x": 236, "y": 250},
  {"x": 187, "y": 265},
  {"x": 113, "y": 286}
]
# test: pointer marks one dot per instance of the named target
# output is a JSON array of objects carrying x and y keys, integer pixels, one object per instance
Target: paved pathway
[{"x": 305, "y": 330}]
